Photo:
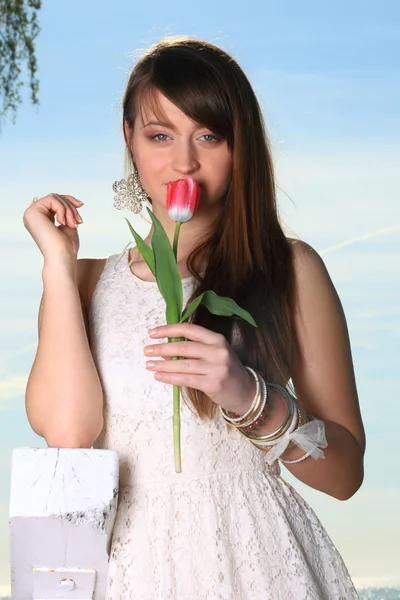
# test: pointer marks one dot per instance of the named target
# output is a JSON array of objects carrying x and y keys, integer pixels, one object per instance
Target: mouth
[{"x": 181, "y": 178}]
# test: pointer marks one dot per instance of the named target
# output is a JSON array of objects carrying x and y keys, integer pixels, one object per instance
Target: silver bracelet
[
  {"x": 291, "y": 420},
  {"x": 237, "y": 421},
  {"x": 293, "y": 462},
  {"x": 264, "y": 396}
]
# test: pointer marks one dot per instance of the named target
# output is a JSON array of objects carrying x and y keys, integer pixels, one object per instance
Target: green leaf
[
  {"x": 167, "y": 275},
  {"x": 218, "y": 305},
  {"x": 145, "y": 250},
  {"x": 226, "y": 307},
  {"x": 191, "y": 308}
]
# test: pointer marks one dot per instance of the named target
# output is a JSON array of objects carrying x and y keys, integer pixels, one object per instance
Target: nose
[{"x": 184, "y": 159}]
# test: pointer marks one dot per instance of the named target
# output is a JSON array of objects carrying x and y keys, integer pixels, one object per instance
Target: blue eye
[
  {"x": 211, "y": 137},
  {"x": 158, "y": 136}
]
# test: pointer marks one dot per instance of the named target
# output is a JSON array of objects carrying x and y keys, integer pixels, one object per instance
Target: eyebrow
[{"x": 160, "y": 124}]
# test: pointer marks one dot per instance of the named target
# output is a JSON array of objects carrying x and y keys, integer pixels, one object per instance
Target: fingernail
[
  {"x": 153, "y": 331},
  {"x": 80, "y": 220}
]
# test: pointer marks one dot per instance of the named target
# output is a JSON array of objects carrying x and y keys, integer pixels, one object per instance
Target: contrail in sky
[
  {"x": 360, "y": 238},
  {"x": 18, "y": 352}
]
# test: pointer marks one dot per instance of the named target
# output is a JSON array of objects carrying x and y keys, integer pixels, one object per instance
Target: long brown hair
[{"x": 247, "y": 255}]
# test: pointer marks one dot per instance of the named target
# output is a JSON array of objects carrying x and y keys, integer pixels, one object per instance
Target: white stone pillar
[{"x": 62, "y": 510}]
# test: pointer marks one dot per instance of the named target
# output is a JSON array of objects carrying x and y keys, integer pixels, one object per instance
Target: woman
[{"x": 228, "y": 526}]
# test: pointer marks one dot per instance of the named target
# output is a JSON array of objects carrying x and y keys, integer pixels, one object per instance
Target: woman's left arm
[{"x": 323, "y": 378}]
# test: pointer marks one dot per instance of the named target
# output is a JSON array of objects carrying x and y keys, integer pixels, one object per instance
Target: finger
[
  {"x": 73, "y": 202},
  {"x": 65, "y": 215},
  {"x": 55, "y": 205},
  {"x": 71, "y": 216},
  {"x": 196, "y": 333},
  {"x": 185, "y": 349},
  {"x": 198, "y": 382},
  {"x": 65, "y": 196},
  {"x": 71, "y": 209},
  {"x": 73, "y": 199},
  {"x": 184, "y": 367}
]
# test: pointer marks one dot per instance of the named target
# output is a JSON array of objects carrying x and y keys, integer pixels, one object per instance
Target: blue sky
[{"x": 327, "y": 77}]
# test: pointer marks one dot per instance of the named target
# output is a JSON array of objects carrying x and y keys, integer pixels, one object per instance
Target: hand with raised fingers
[{"x": 55, "y": 241}]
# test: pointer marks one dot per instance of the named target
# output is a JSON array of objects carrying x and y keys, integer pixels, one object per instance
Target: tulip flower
[{"x": 183, "y": 198}]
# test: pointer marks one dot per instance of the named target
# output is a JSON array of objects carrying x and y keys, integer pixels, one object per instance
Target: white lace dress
[{"x": 228, "y": 527}]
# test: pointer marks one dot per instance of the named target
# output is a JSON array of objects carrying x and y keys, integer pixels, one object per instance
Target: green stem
[
  {"x": 176, "y": 236},
  {"x": 176, "y": 418},
  {"x": 176, "y": 424}
]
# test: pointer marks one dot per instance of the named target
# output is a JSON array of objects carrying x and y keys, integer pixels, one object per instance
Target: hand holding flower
[{"x": 208, "y": 364}]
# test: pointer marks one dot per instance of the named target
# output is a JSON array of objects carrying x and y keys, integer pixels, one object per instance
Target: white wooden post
[{"x": 62, "y": 510}]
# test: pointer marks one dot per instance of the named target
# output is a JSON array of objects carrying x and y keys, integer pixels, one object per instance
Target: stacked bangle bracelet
[
  {"x": 266, "y": 442},
  {"x": 256, "y": 413}
]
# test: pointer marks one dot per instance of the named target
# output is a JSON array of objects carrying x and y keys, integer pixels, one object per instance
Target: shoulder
[
  {"x": 304, "y": 255},
  {"x": 316, "y": 300},
  {"x": 310, "y": 273}
]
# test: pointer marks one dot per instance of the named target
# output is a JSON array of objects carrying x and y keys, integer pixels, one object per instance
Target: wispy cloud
[
  {"x": 12, "y": 388},
  {"x": 339, "y": 195},
  {"x": 18, "y": 352},
  {"x": 372, "y": 313},
  {"x": 366, "y": 266},
  {"x": 360, "y": 238}
]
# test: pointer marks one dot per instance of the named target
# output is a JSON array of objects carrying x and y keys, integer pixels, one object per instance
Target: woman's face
[{"x": 179, "y": 148}]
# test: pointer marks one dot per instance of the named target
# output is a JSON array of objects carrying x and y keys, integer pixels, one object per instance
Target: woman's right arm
[{"x": 64, "y": 398}]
